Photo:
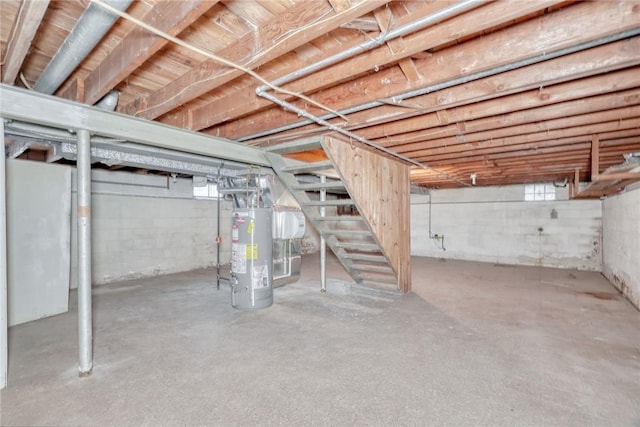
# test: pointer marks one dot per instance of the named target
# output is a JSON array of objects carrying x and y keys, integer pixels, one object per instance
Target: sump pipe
[
  {"x": 445, "y": 84},
  {"x": 90, "y": 28}
]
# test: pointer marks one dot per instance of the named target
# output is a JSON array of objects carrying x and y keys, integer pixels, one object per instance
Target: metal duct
[
  {"x": 109, "y": 102},
  {"x": 85, "y": 35}
]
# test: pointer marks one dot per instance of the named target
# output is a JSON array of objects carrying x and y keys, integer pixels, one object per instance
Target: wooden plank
[
  {"x": 169, "y": 16},
  {"x": 558, "y": 30},
  {"x": 595, "y": 157},
  {"x": 530, "y": 140},
  {"x": 463, "y": 155},
  {"x": 616, "y": 176},
  {"x": 476, "y": 20},
  {"x": 576, "y": 182},
  {"x": 618, "y": 105},
  {"x": 74, "y": 91},
  {"x": 299, "y": 25},
  {"x": 572, "y": 90},
  {"x": 24, "y": 30},
  {"x": 340, "y": 5},
  {"x": 381, "y": 188}
]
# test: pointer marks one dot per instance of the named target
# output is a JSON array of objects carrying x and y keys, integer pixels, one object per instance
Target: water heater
[{"x": 251, "y": 259}]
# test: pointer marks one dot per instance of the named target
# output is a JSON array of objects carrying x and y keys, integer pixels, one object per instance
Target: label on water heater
[
  {"x": 252, "y": 251},
  {"x": 234, "y": 233},
  {"x": 260, "y": 277},
  {"x": 238, "y": 258}
]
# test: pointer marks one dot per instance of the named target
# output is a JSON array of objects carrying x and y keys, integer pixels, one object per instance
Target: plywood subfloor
[{"x": 474, "y": 344}]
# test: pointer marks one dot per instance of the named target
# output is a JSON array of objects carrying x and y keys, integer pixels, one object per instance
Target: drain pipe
[
  {"x": 447, "y": 83},
  {"x": 93, "y": 24}
]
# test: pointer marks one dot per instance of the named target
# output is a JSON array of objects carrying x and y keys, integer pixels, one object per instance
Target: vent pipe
[{"x": 85, "y": 35}]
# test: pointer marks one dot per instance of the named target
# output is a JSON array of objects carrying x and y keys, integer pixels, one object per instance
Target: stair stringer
[{"x": 380, "y": 188}]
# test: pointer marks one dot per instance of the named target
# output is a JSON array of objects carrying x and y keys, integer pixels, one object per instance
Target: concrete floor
[{"x": 475, "y": 344}]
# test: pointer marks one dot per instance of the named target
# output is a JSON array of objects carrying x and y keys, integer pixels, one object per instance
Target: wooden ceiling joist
[
  {"x": 300, "y": 24},
  {"x": 449, "y": 65},
  {"x": 615, "y": 106},
  {"x": 23, "y": 31},
  {"x": 169, "y": 16}
]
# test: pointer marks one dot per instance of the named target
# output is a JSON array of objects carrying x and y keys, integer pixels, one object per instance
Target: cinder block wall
[
  {"x": 621, "y": 245},
  {"x": 495, "y": 224},
  {"x": 145, "y": 225}
]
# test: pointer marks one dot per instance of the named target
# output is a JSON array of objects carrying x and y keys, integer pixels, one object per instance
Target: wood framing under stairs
[{"x": 374, "y": 245}]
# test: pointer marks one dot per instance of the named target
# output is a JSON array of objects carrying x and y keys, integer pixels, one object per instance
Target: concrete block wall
[
  {"x": 621, "y": 243},
  {"x": 495, "y": 224},
  {"x": 144, "y": 225}
]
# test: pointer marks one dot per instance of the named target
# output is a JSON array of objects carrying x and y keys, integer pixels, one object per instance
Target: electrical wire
[
  {"x": 220, "y": 59},
  {"x": 24, "y": 81}
]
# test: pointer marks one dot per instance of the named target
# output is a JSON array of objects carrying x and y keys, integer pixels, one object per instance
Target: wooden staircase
[{"x": 371, "y": 245}]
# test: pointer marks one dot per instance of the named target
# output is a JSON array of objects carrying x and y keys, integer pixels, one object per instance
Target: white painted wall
[
  {"x": 621, "y": 243},
  {"x": 146, "y": 225},
  {"x": 38, "y": 225},
  {"x": 495, "y": 224}
]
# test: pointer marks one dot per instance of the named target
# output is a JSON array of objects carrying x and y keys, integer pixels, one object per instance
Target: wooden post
[{"x": 595, "y": 157}]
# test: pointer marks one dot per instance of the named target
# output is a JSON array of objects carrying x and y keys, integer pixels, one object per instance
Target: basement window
[{"x": 537, "y": 192}]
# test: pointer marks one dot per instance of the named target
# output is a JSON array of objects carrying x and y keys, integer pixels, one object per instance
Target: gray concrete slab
[{"x": 474, "y": 344}]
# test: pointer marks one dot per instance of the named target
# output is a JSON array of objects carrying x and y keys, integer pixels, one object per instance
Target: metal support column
[
  {"x": 4, "y": 345},
  {"x": 323, "y": 243},
  {"x": 85, "y": 333}
]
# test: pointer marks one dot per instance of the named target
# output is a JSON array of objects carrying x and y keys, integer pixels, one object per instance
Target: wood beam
[
  {"x": 24, "y": 30},
  {"x": 601, "y": 108},
  {"x": 471, "y": 22},
  {"x": 572, "y": 90},
  {"x": 486, "y": 149},
  {"x": 531, "y": 135},
  {"x": 560, "y": 29},
  {"x": 595, "y": 157},
  {"x": 138, "y": 45},
  {"x": 302, "y": 23},
  {"x": 74, "y": 91},
  {"x": 619, "y": 175}
]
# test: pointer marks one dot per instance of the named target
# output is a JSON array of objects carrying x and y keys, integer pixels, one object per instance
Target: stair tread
[
  {"x": 373, "y": 268},
  {"x": 334, "y": 202},
  {"x": 318, "y": 186},
  {"x": 346, "y": 232},
  {"x": 366, "y": 247},
  {"x": 375, "y": 279},
  {"x": 338, "y": 218},
  {"x": 366, "y": 257}
]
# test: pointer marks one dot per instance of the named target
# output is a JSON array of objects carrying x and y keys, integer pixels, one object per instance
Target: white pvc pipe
[
  {"x": 323, "y": 243},
  {"x": 4, "y": 344},
  {"x": 85, "y": 332}
]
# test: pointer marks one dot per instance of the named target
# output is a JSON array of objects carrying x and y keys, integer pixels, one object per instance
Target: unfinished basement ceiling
[{"x": 511, "y": 91}]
